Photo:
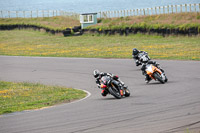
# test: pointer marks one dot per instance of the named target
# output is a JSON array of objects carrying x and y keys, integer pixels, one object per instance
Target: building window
[{"x": 87, "y": 18}]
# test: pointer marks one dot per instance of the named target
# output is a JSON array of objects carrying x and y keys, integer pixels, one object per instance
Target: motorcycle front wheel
[
  {"x": 158, "y": 77},
  {"x": 127, "y": 92},
  {"x": 115, "y": 92}
]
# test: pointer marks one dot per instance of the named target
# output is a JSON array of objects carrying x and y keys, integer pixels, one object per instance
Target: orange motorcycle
[{"x": 156, "y": 73}]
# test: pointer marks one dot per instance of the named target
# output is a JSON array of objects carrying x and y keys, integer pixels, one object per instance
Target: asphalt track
[{"x": 173, "y": 107}]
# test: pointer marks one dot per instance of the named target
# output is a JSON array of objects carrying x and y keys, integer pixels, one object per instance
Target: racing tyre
[
  {"x": 158, "y": 77},
  {"x": 127, "y": 92},
  {"x": 115, "y": 92}
]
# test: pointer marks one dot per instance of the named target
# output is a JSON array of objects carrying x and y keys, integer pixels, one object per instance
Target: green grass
[
  {"x": 25, "y": 96},
  {"x": 183, "y": 21},
  {"x": 33, "y": 43},
  {"x": 55, "y": 23}
]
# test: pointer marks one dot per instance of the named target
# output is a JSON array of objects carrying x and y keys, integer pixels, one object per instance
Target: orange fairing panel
[{"x": 158, "y": 70}]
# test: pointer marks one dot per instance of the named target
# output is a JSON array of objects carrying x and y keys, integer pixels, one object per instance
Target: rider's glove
[
  {"x": 122, "y": 83},
  {"x": 98, "y": 86},
  {"x": 109, "y": 74}
]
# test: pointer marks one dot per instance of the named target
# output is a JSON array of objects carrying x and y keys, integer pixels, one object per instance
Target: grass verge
[
  {"x": 33, "y": 43},
  {"x": 54, "y": 23},
  {"x": 182, "y": 21},
  {"x": 25, "y": 96}
]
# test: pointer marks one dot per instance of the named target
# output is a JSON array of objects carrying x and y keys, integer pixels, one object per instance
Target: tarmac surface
[{"x": 173, "y": 107}]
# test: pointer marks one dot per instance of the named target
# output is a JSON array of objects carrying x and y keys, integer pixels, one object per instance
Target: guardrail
[
  {"x": 36, "y": 14},
  {"x": 105, "y": 14},
  {"x": 151, "y": 11}
]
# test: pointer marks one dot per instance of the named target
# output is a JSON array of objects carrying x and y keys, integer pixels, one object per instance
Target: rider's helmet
[
  {"x": 135, "y": 51},
  {"x": 96, "y": 73}
]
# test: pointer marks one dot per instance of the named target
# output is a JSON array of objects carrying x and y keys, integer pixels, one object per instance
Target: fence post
[
  {"x": 144, "y": 12},
  {"x": 168, "y": 9},
  {"x": 130, "y": 14},
  {"x": 137, "y": 12},
  {"x": 199, "y": 7},
  {"x": 151, "y": 11},
  {"x": 185, "y": 7},
  {"x": 176, "y": 9},
  {"x": 148, "y": 11},
  {"x": 163, "y": 9},
  {"x": 195, "y": 8},
  {"x": 31, "y": 14},
  {"x": 9, "y": 14},
  {"x": 16, "y": 14},
  {"x": 1, "y": 14},
  {"x": 181, "y": 8},
  {"x": 172, "y": 8},
  {"x": 190, "y": 8},
  {"x": 156, "y": 10},
  {"x": 159, "y": 10}
]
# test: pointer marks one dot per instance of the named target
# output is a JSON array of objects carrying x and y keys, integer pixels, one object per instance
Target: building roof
[{"x": 89, "y": 14}]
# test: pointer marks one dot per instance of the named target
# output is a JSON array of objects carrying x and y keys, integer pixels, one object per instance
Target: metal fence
[
  {"x": 151, "y": 11},
  {"x": 105, "y": 14},
  {"x": 35, "y": 14}
]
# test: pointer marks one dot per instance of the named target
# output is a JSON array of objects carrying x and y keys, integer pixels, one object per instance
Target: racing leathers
[
  {"x": 98, "y": 82},
  {"x": 147, "y": 78},
  {"x": 136, "y": 57}
]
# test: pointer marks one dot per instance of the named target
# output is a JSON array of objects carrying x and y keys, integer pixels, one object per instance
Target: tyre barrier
[
  {"x": 66, "y": 32},
  {"x": 78, "y": 31},
  {"x": 162, "y": 31}
]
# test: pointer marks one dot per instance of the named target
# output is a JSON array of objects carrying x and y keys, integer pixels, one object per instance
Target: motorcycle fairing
[{"x": 150, "y": 69}]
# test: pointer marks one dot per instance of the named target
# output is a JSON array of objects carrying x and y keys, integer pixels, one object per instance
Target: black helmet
[
  {"x": 96, "y": 73},
  {"x": 135, "y": 51}
]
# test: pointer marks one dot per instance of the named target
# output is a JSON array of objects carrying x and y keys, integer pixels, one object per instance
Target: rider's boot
[
  {"x": 104, "y": 93},
  {"x": 147, "y": 79}
]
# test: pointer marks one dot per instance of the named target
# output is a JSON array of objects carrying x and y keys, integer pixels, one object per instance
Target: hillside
[{"x": 173, "y": 20}]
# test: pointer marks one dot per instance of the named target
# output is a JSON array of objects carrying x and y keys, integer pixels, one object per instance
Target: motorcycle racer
[
  {"x": 144, "y": 63},
  {"x": 147, "y": 78},
  {"x": 136, "y": 54},
  {"x": 98, "y": 75}
]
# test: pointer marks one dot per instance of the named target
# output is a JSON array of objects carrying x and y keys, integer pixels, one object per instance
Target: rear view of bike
[{"x": 156, "y": 74}]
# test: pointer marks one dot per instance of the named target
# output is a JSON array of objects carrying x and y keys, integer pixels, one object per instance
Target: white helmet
[{"x": 96, "y": 73}]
